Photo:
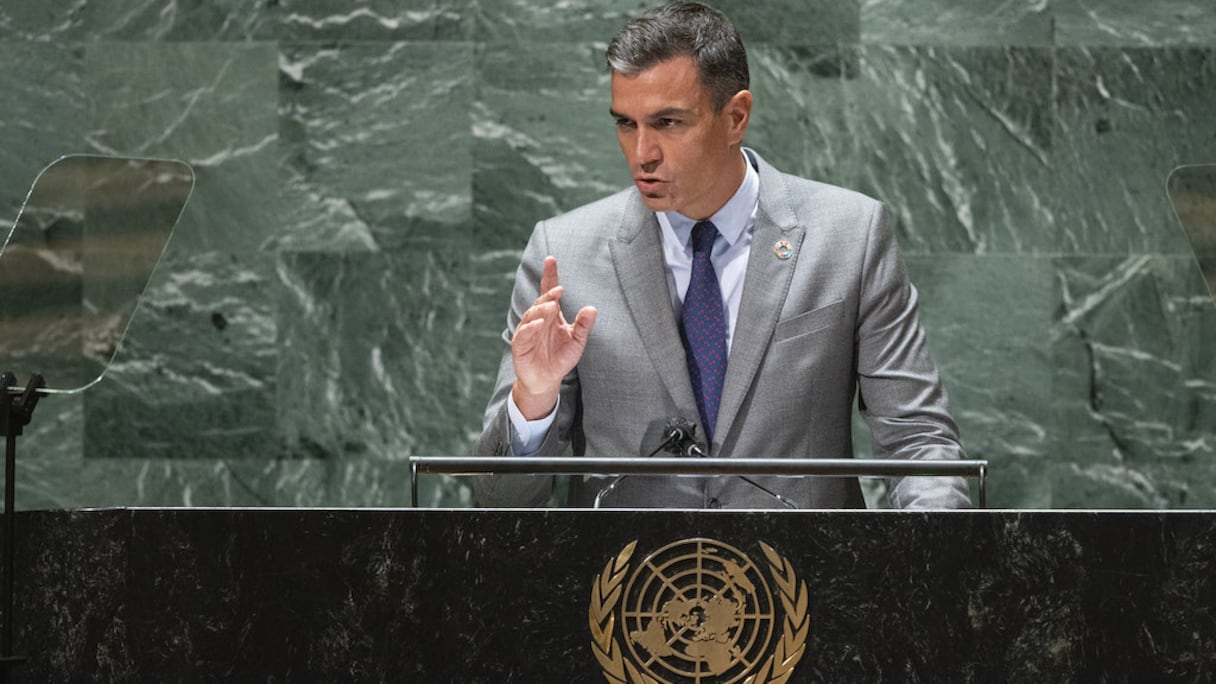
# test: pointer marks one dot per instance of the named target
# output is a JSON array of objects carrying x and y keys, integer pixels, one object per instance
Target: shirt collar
[{"x": 732, "y": 220}]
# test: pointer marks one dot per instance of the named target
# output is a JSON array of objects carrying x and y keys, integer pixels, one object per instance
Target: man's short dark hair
[{"x": 684, "y": 29}]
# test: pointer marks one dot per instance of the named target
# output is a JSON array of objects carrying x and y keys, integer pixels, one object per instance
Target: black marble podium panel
[{"x": 246, "y": 595}]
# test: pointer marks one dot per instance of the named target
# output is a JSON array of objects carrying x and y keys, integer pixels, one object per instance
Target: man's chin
[{"x": 656, "y": 201}]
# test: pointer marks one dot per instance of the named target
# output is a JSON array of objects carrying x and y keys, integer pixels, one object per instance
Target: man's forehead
[{"x": 669, "y": 86}]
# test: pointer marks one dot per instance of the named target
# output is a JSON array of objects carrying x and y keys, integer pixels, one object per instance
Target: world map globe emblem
[{"x": 698, "y": 611}]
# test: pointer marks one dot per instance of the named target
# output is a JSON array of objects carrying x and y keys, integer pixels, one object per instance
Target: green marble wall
[{"x": 368, "y": 172}]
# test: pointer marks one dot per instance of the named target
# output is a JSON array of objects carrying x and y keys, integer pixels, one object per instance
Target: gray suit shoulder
[
  {"x": 815, "y": 195},
  {"x": 790, "y": 199}
]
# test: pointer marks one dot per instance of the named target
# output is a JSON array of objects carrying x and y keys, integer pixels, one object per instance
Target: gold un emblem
[{"x": 698, "y": 611}]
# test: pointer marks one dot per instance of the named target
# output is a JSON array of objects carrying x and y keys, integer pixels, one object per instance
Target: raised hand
[{"x": 545, "y": 347}]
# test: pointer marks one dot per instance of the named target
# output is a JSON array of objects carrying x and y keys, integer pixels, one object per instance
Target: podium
[{"x": 480, "y": 596}]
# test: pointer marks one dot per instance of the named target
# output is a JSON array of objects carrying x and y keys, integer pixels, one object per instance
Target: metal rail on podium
[{"x": 743, "y": 467}]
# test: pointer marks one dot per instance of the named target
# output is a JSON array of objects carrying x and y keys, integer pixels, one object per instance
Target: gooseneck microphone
[{"x": 680, "y": 438}]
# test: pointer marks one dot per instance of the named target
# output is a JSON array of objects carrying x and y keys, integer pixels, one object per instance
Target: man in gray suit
[{"x": 718, "y": 290}]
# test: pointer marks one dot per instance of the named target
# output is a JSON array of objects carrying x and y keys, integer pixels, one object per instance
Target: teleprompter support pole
[{"x": 15, "y": 412}]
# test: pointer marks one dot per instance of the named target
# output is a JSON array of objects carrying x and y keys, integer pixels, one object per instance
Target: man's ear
[{"x": 738, "y": 111}]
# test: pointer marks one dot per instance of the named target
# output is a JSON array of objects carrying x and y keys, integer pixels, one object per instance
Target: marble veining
[
  {"x": 942, "y": 22},
  {"x": 367, "y": 173}
]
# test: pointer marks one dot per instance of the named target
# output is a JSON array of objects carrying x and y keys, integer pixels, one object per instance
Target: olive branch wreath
[{"x": 606, "y": 593}]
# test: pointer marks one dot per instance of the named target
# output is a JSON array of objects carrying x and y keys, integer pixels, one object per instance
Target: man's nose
[{"x": 648, "y": 153}]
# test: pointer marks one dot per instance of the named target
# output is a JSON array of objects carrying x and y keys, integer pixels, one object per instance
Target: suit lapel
[
  {"x": 764, "y": 290},
  {"x": 637, "y": 255}
]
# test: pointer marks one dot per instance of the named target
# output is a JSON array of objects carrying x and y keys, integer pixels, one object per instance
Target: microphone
[{"x": 680, "y": 438}]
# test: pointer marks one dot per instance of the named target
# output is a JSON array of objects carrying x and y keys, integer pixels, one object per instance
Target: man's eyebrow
[
  {"x": 670, "y": 112},
  {"x": 661, "y": 114}
]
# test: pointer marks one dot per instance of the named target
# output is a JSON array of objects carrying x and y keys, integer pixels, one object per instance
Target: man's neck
[{"x": 730, "y": 186}]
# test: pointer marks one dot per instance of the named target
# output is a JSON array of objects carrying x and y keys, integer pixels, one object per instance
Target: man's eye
[
  {"x": 667, "y": 123},
  {"x": 624, "y": 123}
]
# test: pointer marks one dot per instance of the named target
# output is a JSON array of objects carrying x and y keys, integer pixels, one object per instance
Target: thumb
[{"x": 582, "y": 324}]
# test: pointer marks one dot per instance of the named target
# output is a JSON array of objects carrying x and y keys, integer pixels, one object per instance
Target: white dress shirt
[{"x": 735, "y": 221}]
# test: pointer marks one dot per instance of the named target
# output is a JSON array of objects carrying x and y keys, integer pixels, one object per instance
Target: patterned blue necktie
[{"x": 705, "y": 328}]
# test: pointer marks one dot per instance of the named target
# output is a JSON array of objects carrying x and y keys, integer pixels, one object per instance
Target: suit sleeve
[
  {"x": 900, "y": 393},
  {"x": 495, "y": 440}
]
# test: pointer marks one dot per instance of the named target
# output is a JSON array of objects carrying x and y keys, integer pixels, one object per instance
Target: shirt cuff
[{"x": 528, "y": 435}]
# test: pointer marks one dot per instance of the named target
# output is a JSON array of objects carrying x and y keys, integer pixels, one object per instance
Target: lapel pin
[{"x": 783, "y": 249}]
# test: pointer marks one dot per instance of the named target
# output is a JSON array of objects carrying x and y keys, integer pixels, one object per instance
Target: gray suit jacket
[{"x": 836, "y": 320}]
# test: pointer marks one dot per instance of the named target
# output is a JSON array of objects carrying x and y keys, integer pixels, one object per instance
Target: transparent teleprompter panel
[
  {"x": 78, "y": 259},
  {"x": 1192, "y": 191}
]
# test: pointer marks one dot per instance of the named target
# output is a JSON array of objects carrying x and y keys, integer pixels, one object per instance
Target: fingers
[
  {"x": 548, "y": 278},
  {"x": 524, "y": 329},
  {"x": 583, "y": 322},
  {"x": 550, "y": 291},
  {"x": 551, "y": 295},
  {"x": 544, "y": 310}
]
